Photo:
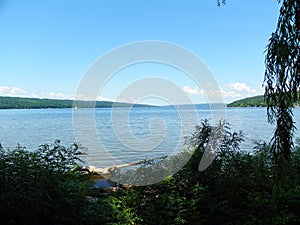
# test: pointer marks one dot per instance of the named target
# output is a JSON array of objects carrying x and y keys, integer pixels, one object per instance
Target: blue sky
[{"x": 46, "y": 47}]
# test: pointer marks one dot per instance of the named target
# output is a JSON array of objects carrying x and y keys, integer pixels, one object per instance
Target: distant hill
[
  {"x": 36, "y": 103},
  {"x": 257, "y": 101}
]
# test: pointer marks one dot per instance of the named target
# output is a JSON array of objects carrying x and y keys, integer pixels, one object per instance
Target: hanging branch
[
  {"x": 282, "y": 77},
  {"x": 219, "y": 2},
  {"x": 282, "y": 82}
]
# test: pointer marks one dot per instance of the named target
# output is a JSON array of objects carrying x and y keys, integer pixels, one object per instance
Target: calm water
[{"x": 125, "y": 135}]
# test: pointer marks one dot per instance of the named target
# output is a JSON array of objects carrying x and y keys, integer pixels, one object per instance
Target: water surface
[{"x": 143, "y": 133}]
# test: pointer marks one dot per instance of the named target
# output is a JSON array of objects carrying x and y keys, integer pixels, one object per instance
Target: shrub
[
  {"x": 235, "y": 189},
  {"x": 43, "y": 186}
]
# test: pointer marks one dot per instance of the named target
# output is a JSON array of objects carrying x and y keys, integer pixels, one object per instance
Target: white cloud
[
  {"x": 83, "y": 97},
  {"x": 230, "y": 92},
  {"x": 237, "y": 86},
  {"x": 56, "y": 95},
  {"x": 193, "y": 91},
  {"x": 4, "y": 89},
  {"x": 208, "y": 92},
  {"x": 101, "y": 98},
  {"x": 238, "y": 90},
  {"x": 34, "y": 95},
  {"x": 12, "y": 91},
  {"x": 19, "y": 92},
  {"x": 219, "y": 95}
]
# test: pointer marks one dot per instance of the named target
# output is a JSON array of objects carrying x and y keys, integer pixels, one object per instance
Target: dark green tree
[
  {"x": 282, "y": 83},
  {"x": 282, "y": 77}
]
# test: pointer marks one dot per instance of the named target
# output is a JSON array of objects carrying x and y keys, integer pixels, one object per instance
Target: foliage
[
  {"x": 257, "y": 101},
  {"x": 47, "y": 187},
  {"x": 235, "y": 189},
  {"x": 41, "y": 187},
  {"x": 219, "y": 3},
  {"x": 282, "y": 85},
  {"x": 36, "y": 103},
  {"x": 282, "y": 75}
]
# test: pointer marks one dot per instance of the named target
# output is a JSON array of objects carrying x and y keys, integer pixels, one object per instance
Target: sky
[{"x": 47, "y": 47}]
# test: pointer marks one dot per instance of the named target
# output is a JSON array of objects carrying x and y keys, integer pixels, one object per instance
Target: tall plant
[{"x": 282, "y": 83}]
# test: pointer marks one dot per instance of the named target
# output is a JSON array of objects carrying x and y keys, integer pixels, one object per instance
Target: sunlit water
[{"x": 143, "y": 133}]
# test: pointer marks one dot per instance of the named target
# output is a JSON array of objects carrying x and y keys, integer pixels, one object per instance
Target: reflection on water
[{"x": 126, "y": 135}]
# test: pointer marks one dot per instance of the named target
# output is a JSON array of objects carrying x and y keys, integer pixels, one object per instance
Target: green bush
[
  {"x": 42, "y": 187},
  {"x": 235, "y": 189}
]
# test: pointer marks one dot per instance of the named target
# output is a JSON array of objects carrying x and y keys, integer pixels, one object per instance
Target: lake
[{"x": 122, "y": 135}]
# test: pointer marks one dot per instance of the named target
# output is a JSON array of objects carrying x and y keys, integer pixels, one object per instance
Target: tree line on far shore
[{"x": 36, "y": 103}]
